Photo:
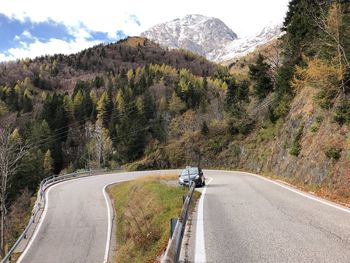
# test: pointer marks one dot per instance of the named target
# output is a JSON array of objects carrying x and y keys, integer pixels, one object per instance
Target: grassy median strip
[{"x": 144, "y": 208}]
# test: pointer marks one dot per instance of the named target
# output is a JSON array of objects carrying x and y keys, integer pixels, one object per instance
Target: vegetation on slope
[
  {"x": 277, "y": 129},
  {"x": 102, "y": 107}
]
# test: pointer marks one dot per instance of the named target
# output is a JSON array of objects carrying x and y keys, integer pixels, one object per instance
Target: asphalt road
[
  {"x": 249, "y": 219},
  {"x": 244, "y": 219},
  {"x": 75, "y": 225}
]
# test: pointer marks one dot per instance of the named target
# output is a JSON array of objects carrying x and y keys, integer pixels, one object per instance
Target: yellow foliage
[
  {"x": 15, "y": 137},
  {"x": 176, "y": 105},
  {"x": 299, "y": 78},
  {"x": 3, "y": 108},
  {"x": 318, "y": 73}
]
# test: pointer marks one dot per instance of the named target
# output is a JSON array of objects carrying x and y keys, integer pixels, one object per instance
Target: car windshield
[{"x": 192, "y": 171}]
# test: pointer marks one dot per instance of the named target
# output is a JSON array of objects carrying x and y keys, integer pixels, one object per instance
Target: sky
[{"x": 39, "y": 27}]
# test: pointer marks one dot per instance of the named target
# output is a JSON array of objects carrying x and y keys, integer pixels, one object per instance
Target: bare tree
[
  {"x": 12, "y": 150},
  {"x": 102, "y": 143},
  {"x": 330, "y": 22},
  {"x": 274, "y": 56}
]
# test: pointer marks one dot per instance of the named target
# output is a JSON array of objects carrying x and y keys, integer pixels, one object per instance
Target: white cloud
[
  {"x": 4, "y": 57},
  {"x": 53, "y": 46},
  {"x": 27, "y": 34},
  {"x": 244, "y": 16}
]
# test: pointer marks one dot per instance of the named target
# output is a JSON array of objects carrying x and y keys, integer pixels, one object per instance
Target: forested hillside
[
  {"x": 293, "y": 121},
  {"x": 102, "y": 107},
  {"x": 136, "y": 105}
]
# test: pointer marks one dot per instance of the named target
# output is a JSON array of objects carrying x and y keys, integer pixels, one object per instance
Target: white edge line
[
  {"x": 110, "y": 216},
  {"x": 39, "y": 225},
  {"x": 42, "y": 217},
  {"x": 109, "y": 228},
  {"x": 199, "y": 255},
  {"x": 324, "y": 202}
]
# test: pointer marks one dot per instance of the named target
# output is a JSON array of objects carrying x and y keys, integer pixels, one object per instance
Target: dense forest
[{"x": 135, "y": 105}]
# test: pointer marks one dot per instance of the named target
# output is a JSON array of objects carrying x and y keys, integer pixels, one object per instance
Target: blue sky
[
  {"x": 38, "y": 27},
  {"x": 26, "y": 38}
]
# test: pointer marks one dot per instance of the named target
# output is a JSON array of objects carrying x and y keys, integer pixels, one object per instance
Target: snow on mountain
[
  {"x": 199, "y": 34},
  {"x": 243, "y": 46},
  {"x": 209, "y": 37}
]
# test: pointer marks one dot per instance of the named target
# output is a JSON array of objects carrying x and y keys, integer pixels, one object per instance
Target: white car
[{"x": 192, "y": 174}]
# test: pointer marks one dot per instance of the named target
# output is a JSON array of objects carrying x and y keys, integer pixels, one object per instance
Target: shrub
[
  {"x": 204, "y": 128},
  {"x": 295, "y": 150},
  {"x": 280, "y": 107},
  {"x": 325, "y": 98},
  {"x": 342, "y": 113},
  {"x": 314, "y": 127},
  {"x": 333, "y": 153},
  {"x": 296, "y": 146}
]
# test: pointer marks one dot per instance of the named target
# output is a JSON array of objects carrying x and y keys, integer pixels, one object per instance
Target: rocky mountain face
[
  {"x": 209, "y": 37},
  {"x": 243, "y": 46},
  {"x": 197, "y": 33}
]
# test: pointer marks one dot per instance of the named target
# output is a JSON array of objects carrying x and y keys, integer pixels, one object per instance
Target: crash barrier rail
[
  {"x": 173, "y": 250},
  {"x": 41, "y": 202}
]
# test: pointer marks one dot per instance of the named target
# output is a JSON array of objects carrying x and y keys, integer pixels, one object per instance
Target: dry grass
[
  {"x": 135, "y": 41},
  {"x": 144, "y": 208},
  {"x": 157, "y": 177},
  {"x": 334, "y": 194}
]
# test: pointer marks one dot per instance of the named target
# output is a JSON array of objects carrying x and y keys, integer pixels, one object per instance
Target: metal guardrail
[
  {"x": 41, "y": 202},
  {"x": 173, "y": 250}
]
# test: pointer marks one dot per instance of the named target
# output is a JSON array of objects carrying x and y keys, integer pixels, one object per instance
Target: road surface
[
  {"x": 74, "y": 227},
  {"x": 250, "y": 219},
  {"x": 240, "y": 218}
]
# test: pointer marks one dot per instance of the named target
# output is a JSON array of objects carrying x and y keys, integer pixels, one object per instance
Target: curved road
[
  {"x": 240, "y": 218},
  {"x": 247, "y": 218},
  {"x": 74, "y": 226}
]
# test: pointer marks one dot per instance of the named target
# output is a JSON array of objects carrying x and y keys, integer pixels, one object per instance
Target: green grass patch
[
  {"x": 333, "y": 153},
  {"x": 296, "y": 146},
  {"x": 144, "y": 208}
]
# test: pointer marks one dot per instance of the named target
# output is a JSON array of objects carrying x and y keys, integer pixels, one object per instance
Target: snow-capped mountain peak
[
  {"x": 197, "y": 33},
  {"x": 209, "y": 37}
]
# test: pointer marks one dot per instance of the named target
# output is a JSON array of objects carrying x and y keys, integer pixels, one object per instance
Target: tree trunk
[{"x": 2, "y": 242}]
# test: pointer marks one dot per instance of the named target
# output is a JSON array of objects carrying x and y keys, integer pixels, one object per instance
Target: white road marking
[
  {"x": 199, "y": 255},
  {"x": 328, "y": 203},
  {"x": 109, "y": 228},
  {"x": 42, "y": 218},
  {"x": 39, "y": 226}
]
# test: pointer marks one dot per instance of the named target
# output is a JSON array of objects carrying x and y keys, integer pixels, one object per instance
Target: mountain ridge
[{"x": 209, "y": 37}]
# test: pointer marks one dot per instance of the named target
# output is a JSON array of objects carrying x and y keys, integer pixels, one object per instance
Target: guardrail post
[{"x": 173, "y": 222}]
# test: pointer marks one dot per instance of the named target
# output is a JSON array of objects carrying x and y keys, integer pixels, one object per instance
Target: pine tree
[
  {"x": 231, "y": 98},
  {"x": 12, "y": 99},
  {"x": 204, "y": 128},
  {"x": 48, "y": 163},
  {"x": 301, "y": 28},
  {"x": 259, "y": 74},
  {"x": 78, "y": 106},
  {"x": 27, "y": 103}
]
